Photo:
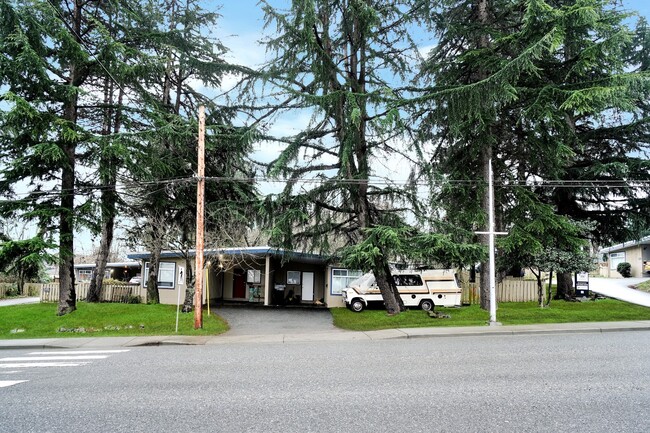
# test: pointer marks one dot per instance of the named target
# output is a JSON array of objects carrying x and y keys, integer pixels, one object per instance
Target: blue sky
[{"x": 242, "y": 21}]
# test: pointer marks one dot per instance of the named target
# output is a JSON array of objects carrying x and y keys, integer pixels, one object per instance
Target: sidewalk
[{"x": 335, "y": 335}]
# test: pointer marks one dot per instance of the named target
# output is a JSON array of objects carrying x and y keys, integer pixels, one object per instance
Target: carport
[{"x": 252, "y": 275}]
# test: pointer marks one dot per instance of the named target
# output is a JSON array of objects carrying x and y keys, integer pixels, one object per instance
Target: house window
[
  {"x": 85, "y": 274},
  {"x": 293, "y": 277},
  {"x": 341, "y": 278},
  {"x": 615, "y": 259},
  {"x": 166, "y": 274},
  {"x": 254, "y": 276}
]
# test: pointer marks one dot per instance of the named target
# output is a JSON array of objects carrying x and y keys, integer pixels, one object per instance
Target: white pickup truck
[{"x": 424, "y": 289}]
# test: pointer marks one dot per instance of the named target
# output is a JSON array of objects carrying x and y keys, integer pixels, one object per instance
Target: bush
[{"x": 625, "y": 269}]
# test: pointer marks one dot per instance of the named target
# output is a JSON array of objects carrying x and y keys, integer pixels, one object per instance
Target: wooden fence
[
  {"x": 122, "y": 293},
  {"x": 508, "y": 290}
]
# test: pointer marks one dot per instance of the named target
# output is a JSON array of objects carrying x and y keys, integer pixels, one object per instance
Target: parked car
[
  {"x": 424, "y": 289},
  {"x": 135, "y": 280}
]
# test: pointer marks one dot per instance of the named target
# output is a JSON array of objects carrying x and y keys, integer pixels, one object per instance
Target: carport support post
[
  {"x": 267, "y": 281},
  {"x": 200, "y": 212}
]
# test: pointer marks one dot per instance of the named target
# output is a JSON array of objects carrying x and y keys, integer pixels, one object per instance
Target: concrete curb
[{"x": 338, "y": 335}]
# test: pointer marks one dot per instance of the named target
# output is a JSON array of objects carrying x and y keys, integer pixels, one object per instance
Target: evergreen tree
[
  {"x": 178, "y": 51},
  {"x": 340, "y": 60},
  {"x": 43, "y": 65}
]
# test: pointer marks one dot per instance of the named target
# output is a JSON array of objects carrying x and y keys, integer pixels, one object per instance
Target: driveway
[
  {"x": 19, "y": 301},
  {"x": 269, "y": 321},
  {"x": 620, "y": 288}
]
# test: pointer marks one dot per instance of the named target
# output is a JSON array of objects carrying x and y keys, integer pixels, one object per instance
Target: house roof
[
  {"x": 626, "y": 245},
  {"x": 109, "y": 265},
  {"x": 243, "y": 251}
]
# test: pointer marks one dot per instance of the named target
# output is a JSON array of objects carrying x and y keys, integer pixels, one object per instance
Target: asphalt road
[{"x": 560, "y": 383}]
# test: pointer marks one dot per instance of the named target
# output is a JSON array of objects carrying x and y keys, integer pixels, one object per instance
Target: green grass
[
  {"x": 525, "y": 313},
  {"x": 645, "y": 286},
  {"x": 102, "y": 320}
]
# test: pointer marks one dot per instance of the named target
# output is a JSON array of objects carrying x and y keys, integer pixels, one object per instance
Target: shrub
[{"x": 625, "y": 269}]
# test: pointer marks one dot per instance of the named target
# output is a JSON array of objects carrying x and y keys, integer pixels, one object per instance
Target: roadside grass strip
[{"x": 102, "y": 320}]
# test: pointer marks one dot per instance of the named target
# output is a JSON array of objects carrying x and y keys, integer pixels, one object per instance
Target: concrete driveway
[
  {"x": 275, "y": 321},
  {"x": 621, "y": 288},
  {"x": 19, "y": 301}
]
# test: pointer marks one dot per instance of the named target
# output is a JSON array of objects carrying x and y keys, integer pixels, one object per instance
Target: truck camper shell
[{"x": 417, "y": 288}]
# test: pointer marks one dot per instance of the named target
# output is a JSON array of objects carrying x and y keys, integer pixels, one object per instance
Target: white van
[{"x": 424, "y": 289}]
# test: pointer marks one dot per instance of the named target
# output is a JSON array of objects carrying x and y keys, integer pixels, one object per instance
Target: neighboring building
[
  {"x": 636, "y": 253},
  {"x": 122, "y": 271},
  {"x": 262, "y": 275}
]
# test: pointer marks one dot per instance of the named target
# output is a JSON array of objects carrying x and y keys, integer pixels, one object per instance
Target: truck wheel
[
  {"x": 426, "y": 305},
  {"x": 357, "y": 305}
]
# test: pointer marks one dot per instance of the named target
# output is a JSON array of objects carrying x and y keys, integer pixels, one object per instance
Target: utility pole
[
  {"x": 200, "y": 233},
  {"x": 491, "y": 233}
]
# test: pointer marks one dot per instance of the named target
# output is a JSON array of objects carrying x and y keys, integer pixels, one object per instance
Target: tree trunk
[
  {"x": 108, "y": 174},
  {"x": 547, "y": 301},
  {"x": 565, "y": 289},
  {"x": 67, "y": 295},
  {"x": 152, "y": 281},
  {"x": 486, "y": 156},
  {"x": 188, "y": 304},
  {"x": 387, "y": 288}
]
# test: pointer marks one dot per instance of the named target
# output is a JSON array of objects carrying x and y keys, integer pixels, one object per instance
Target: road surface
[{"x": 561, "y": 383}]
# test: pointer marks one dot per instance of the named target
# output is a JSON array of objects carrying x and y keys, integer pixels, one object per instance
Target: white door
[{"x": 307, "y": 286}]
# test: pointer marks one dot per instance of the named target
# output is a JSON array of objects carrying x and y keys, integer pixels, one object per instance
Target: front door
[
  {"x": 307, "y": 286},
  {"x": 239, "y": 284}
]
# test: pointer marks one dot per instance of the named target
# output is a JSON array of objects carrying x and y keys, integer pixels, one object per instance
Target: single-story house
[
  {"x": 260, "y": 275},
  {"x": 122, "y": 271},
  {"x": 636, "y": 253}
]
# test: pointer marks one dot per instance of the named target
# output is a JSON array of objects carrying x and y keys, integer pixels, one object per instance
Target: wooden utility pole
[{"x": 200, "y": 213}]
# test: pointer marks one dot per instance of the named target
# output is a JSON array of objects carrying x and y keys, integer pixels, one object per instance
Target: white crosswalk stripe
[
  {"x": 54, "y": 358},
  {"x": 5, "y": 383},
  {"x": 51, "y": 359}
]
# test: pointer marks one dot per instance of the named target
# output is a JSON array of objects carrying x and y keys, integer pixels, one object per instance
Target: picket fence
[
  {"x": 121, "y": 293},
  {"x": 507, "y": 290}
]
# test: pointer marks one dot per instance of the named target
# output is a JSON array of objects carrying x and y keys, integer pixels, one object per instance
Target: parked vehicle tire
[
  {"x": 426, "y": 304},
  {"x": 357, "y": 305}
]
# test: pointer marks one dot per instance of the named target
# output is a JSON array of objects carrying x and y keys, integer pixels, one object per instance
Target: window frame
[
  {"x": 165, "y": 285},
  {"x": 296, "y": 276},
  {"x": 615, "y": 259},
  {"x": 347, "y": 278}
]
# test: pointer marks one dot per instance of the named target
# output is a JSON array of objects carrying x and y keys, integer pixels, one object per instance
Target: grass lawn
[
  {"x": 102, "y": 320},
  {"x": 645, "y": 286},
  {"x": 510, "y": 313}
]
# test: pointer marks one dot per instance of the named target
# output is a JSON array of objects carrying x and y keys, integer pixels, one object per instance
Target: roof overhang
[
  {"x": 244, "y": 252},
  {"x": 626, "y": 245},
  {"x": 109, "y": 265}
]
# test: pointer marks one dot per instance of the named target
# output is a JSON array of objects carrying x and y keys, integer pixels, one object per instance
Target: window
[
  {"x": 407, "y": 280},
  {"x": 166, "y": 274},
  {"x": 341, "y": 278},
  {"x": 254, "y": 276},
  {"x": 615, "y": 259},
  {"x": 85, "y": 274},
  {"x": 293, "y": 277}
]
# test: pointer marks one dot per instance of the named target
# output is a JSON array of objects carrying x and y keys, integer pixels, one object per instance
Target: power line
[{"x": 128, "y": 185}]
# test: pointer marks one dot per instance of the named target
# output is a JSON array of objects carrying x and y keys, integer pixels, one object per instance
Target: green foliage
[
  {"x": 625, "y": 269},
  {"x": 25, "y": 259},
  {"x": 411, "y": 246}
]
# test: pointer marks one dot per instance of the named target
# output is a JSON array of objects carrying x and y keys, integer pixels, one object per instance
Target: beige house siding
[{"x": 635, "y": 255}]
